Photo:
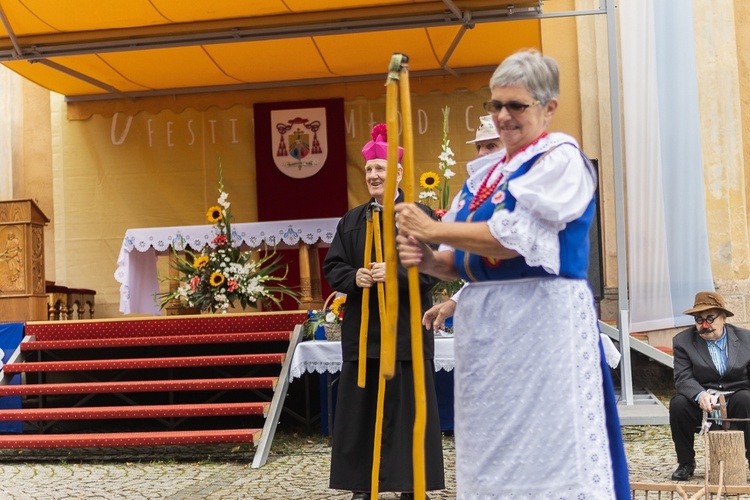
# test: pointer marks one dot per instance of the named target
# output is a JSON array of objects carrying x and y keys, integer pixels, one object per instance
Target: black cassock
[{"x": 353, "y": 433}]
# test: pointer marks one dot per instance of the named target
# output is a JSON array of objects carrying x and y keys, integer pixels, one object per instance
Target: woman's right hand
[{"x": 412, "y": 252}]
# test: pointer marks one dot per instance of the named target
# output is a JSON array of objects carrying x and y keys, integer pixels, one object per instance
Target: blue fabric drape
[{"x": 11, "y": 335}]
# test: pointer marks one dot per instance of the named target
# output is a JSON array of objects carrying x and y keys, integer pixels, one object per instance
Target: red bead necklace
[{"x": 485, "y": 191}]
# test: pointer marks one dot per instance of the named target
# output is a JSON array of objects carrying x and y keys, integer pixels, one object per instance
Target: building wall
[
  {"x": 580, "y": 46},
  {"x": 26, "y": 150}
]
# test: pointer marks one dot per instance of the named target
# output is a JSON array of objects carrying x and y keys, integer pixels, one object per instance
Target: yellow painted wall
[
  {"x": 560, "y": 41},
  {"x": 721, "y": 138}
]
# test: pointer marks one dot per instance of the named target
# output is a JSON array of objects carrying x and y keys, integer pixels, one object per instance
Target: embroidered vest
[{"x": 574, "y": 239}]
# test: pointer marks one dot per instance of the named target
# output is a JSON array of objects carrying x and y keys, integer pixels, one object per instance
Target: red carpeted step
[
  {"x": 130, "y": 439},
  {"x": 163, "y": 326},
  {"x": 665, "y": 349},
  {"x": 219, "y": 384},
  {"x": 150, "y": 411},
  {"x": 140, "y": 363},
  {"x": 213, "y": 338}
]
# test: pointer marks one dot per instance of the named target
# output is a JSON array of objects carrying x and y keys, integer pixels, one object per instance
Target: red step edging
[
  {"x": 138, "y": 363},
  {"x": 95, "y": 440},
  {"x": 213, "y": 338},
  {"x": 150, "y": 411},
  {"x": 218, "y": 384}
]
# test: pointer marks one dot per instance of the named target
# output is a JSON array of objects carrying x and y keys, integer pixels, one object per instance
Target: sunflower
[
  {"x": 429, "y": 180},
  {"x": 216, "y": 278},
  {"x": 337, "y": 306},
  {"x": 200, "y": 262},
  {"x": 214, "y": 214}
]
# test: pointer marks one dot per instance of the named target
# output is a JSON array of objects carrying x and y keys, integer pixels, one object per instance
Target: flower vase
[{"x": 332, "y": 331}]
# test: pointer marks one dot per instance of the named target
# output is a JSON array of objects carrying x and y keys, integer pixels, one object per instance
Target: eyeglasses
[
  {"x": 513, "y": 107},
  {"x": 708, "y": 319}
]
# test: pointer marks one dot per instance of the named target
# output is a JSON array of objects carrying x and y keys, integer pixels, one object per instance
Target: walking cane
[{"x": 397, "y": 86}]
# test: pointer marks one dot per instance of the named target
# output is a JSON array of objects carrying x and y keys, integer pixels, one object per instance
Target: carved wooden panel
[
  {"x": 37, "y": 259},
  {"x": 12, "y": 258}
]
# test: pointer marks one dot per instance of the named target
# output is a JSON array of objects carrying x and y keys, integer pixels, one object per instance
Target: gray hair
[{"x": 539, "y": 74}]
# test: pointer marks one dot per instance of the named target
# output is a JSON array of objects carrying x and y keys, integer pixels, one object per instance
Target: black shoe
[
  {"x": 684, "y": 471},
  {"x": 410, "y": 496},
  {"x": 361, "y": 495}
]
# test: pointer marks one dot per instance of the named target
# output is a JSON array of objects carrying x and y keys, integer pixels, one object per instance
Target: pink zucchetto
[{"x": 377, "y": 148}]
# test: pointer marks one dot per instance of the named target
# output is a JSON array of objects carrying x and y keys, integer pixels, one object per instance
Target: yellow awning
[{"x": 93, "y": 50}]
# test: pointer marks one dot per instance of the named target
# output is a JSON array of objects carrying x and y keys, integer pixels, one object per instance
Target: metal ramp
[{"x": 646, "y": 408}]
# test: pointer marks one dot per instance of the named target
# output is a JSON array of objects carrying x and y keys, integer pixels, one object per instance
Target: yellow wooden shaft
[
  {"x": 415, "y": 305},
  {"x": 365, "y": 317},
  {"x": 388, "y": 328},
  {"x": 379, "y": 258},
  {"x": 375, "y": 478},
  {"x": 381, "y": 380}
]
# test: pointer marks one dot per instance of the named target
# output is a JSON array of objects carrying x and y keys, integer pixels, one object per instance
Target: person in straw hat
[
  {"x": 487, "y": 141},
  {"x": 710, "y": 358}
]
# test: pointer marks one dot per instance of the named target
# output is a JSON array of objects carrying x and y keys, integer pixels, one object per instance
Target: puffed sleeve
[{"x": 555, "y": 191}]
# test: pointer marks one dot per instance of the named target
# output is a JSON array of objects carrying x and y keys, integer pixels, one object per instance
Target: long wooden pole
[
  {"x": 415, "y": 304},
  {"x": 388, "y": 329},
  {"x": 377, "y": 444},
  {"x": 365, "y": 316}
]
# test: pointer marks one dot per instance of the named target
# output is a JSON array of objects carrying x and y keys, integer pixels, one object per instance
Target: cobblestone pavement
[{"x": 296, "y": 469}]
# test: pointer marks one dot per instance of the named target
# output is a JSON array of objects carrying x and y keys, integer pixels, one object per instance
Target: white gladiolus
[{"x": 223, "y": 201}]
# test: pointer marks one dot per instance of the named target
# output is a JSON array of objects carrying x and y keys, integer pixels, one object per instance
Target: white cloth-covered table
[
  {"x": 136, "y": 264},
  {"x": 323, "y": 356}
]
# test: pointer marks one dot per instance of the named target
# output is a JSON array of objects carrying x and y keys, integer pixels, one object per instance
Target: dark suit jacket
[
  {"x": 344, "y": 257},
  {"x": 694, "y": 371}
]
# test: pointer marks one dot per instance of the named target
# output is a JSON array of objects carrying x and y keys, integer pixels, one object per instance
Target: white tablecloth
[
  {"x": 323, "y": 356},
  {"x": 136, "y": 271}
]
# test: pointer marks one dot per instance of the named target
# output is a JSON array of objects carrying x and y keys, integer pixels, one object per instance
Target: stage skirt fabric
[
  {"x": 353, "y": 431},
  {"x": 530, "y": 404}
]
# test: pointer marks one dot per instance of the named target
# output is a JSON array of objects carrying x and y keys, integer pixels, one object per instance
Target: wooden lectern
[{"x": 22, "y": 293}]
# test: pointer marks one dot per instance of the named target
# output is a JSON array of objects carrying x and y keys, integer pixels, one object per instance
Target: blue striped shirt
[{"x": 718, "y": 350}]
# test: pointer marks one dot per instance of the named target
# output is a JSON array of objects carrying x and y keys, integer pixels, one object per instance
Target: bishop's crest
[{"x": 300, "y": 142}]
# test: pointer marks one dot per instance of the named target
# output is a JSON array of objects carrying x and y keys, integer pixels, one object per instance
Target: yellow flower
[
  {"x": 200, "y": 262},
  {"x": 338, "y": 304},
  {"x": 214, "y": 214},
  {"x": 429, "y": 180},
  {"x": 216, "y": 278}
]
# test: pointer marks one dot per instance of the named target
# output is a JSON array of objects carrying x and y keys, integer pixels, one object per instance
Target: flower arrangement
[
  {"x": 430, "y": 181},
  {"x": 330, "y": 318},
  {"x": 220, "y": 275}
]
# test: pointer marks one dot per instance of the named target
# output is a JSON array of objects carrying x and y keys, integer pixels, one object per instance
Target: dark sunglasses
[
  {"x": 513, "y": 107},
  {"x": 708, "y": 319}
]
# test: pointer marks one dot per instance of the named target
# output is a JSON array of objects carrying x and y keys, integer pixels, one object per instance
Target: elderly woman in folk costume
[
  {"x": 353, "y": 434},
  {"x": 535, "y": 412}
]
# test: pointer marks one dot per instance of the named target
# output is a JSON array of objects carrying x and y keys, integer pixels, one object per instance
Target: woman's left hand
[{"x": 412, "y": 221}]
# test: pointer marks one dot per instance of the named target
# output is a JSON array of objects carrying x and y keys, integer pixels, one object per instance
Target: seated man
[{"x": 710, "y": 358}]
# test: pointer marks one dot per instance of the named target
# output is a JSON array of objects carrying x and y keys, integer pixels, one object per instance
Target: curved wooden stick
[{"x": 365, "y": 316}]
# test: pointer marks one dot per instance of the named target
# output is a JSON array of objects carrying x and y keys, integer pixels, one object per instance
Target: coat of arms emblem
[{"x": 299, "y": 143}]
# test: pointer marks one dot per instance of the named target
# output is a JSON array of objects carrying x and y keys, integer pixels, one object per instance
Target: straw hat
[
  {"x": 486, "y": 130},
  {"x": 708, "y": 300}
]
